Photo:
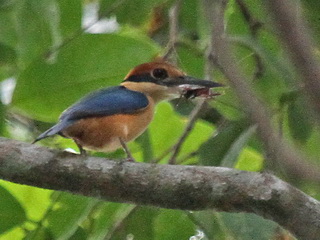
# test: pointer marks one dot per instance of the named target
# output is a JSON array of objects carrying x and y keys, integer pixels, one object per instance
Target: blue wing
[{"x": 104, "y": 102}]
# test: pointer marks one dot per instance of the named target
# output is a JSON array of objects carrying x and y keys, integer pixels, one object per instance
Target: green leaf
[
  {"x": 8, "y": 34},
  {"x": 250, "y": 160},
  {"x": 299, "y": 120},
  {"x": 80, "y": 234},
  {"x": 270, "y": 87},
  {"x": 145, "y": 142},
  {"x": 311, "y": 10},
  {"x": 69, "y": 211},
  {"x": 240, "y": 226},
  {"x": 39, "y": 234},
  {"x": 246, "y": 226},
  {"x": 311, "y": 147},
  {"x": 5, "y": 4},
  {"x": 209, "y": 223},
  {"x": 70, "y": 17},
  {"x": 34, "y": 207},
  {"x": 167, "y": 127},
  {"x": 135, "y": 12},
  {"x": 274, "y": 73},
  {"x": 119, "y": 221},
  {"x": 107, "y": 217},
  {"x": 15, "y": 233},
  {"x": 191, "y": 60},
  {"x": 8, "y": 64},
  {"x": 200, "y": 133},
  {"x": 139, "y": 224},
  {"x": 37, "y": 28},
  {"x": 11, "y": 212},
  {"x": 7, "y": 55},
  {"x": 216, "y": 148},
  {"x": 173, "y": 224},
  {"x": 229, "y": 105},
  {"x": 236, "y": 24},
  {"x": 231, "y": 156},
  {"x": 88, "y": 63},
  {"x": 189, "y": 14}
]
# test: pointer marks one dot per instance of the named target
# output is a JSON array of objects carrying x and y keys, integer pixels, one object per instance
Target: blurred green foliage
[{"x": 44, "y": 47}]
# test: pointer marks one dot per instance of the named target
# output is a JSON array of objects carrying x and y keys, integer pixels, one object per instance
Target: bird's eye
[{"x": 159, "y": 73}]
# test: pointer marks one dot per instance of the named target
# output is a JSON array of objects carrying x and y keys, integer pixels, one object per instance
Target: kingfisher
[{"x": 109, "y": 118}]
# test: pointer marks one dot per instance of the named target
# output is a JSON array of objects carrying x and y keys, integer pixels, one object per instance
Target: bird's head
[{"x": 162, "y": 80}]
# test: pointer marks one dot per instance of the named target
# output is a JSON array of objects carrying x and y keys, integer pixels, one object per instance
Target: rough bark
[{"x": 166, "y": 186}]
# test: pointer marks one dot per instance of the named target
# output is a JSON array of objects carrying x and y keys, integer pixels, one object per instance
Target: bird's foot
[
  {"x": 130, "y": 159},
  {"x": 126, "y": 160},
  {"x": 83, "y": 152}
]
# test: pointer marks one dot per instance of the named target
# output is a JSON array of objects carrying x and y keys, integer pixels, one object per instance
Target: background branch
[
  {"x": 294, "y": 34},
  {"x": 166, "y": 186},
  {"x": 173, "y": 32},
  {"x": 277, "y": 149}
]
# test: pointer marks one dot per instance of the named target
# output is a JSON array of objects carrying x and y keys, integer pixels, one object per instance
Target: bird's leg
[
  {"x": 82, "y": 151},
  {"x": 126, "y": 149}
]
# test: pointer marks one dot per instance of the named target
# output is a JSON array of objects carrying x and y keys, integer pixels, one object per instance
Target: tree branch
[
  {"x": 254, "y": 26},
  {"x": 192, "y": 121},
  {"x": 295, "y": 36},
  {"x": 279, "y": 151},
  {"x": 166, "y": 186},
  {"x": 173, "y": 32}
]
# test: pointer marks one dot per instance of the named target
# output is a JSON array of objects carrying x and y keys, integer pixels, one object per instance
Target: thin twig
[
  {"x": 192, "y": 120},
  {"x": 187, "y": 157},
  {"x": 80, "y": 31},
  {"x": 173, "y": 31},
  {"x": 254, "y": 26},
  {"x": 55, "y": 196},
  {"x": 163, "y": 155},
  {"x": 122, "y": 216}
]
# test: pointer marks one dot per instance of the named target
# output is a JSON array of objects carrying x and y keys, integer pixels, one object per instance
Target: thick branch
[{"x": 167, "y": 186}]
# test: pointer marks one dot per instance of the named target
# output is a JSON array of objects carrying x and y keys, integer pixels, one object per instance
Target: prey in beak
[{"x": 190, "y": 87}]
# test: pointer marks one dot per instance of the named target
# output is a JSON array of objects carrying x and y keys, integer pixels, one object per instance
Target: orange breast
[{"x": 103, "y": 133}]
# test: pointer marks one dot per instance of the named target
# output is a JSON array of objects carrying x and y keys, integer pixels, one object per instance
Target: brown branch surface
[{"x": 166, "y": 186}]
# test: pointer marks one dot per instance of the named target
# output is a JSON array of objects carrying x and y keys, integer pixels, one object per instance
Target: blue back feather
[{"x": 104, "y": 102}]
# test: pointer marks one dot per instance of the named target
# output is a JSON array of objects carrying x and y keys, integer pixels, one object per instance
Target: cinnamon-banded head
[{"x": 162, "y": 80}]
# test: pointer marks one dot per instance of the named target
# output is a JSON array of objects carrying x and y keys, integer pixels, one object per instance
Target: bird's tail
[{"x": 56, "y": 129}]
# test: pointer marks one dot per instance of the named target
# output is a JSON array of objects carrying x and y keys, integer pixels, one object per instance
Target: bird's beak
[{"x": 190, "y": 87}]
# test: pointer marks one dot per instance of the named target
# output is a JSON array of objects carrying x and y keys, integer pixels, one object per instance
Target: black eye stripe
[
  {"x": 143, "y": 78},
  {"x": 159, "y": 73}
]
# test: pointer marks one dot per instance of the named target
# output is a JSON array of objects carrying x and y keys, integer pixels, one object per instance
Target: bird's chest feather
[{"x": 103, "y": 133}]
